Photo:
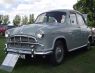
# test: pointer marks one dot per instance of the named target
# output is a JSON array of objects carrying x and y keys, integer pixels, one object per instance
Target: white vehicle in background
[{"x": 93, "y": 34}]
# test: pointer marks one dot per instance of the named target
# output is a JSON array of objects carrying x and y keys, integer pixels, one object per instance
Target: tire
[
  {"x": 28, "y": 57},
  {"x": 88, "y": 47},
  {"x": 57, "y": 56},
  {"x": 90, "y": 43}
]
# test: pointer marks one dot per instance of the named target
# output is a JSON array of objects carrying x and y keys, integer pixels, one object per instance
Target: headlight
[
  {"x": 93, "y": 29},
  {"x": 6, "y": 34},
  {"x": 40, "y": 34}
]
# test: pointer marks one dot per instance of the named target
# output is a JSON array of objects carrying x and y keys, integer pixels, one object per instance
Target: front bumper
[
  {"x": 29, "y": 52},
  {"x": 25, "y": 44}
]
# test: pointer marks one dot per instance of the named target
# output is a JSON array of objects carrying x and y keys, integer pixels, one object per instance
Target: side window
[
  {"x": 63, "y": 19},
  {"x": 80, "y": 19},
  {"x": 73, "y": 19},
  {"x": 52, "y": 20}
]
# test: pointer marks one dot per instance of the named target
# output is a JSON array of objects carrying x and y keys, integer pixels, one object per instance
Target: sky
[{"x": 26, "y": 7}]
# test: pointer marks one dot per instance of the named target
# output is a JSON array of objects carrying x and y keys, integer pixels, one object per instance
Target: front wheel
[{"x": 58, "y": 53}]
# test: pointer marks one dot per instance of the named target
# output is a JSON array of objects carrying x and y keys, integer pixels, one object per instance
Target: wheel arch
[
  {"x": 90, "y": 38},
  {"x": 63, "y": 41}
]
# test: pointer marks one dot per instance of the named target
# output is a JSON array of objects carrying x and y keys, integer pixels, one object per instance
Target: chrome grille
[{"x": 20, "y": 42}]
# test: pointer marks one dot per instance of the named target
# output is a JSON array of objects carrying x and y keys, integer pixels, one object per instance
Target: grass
[{"x": 80, "y": 61}]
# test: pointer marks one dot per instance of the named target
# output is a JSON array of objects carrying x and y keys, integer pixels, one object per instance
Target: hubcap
[{"x": 59, "y": 54}]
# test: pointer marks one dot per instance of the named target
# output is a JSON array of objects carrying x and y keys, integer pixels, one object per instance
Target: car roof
[{"x": 63, "y": 10}]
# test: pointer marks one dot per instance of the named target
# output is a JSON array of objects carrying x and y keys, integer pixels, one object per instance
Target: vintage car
[{"x": 53, "y": 33}]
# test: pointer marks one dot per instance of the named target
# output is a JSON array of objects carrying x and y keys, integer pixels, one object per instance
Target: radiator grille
[{"x": 21, "y": 42}]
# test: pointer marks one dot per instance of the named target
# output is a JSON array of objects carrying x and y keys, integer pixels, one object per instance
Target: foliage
[
  {"x": 6, "y": 20},
  {"x": 1, "y": 17},
  {"x": 87, "y": 7},
  {"x": 31, "y": 19},
  {"x": 24, "y": 20},
  {"x": 17, "y": 20}
]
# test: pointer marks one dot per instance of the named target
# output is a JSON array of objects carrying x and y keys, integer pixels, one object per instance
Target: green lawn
[{"x": 80, "y": 61}]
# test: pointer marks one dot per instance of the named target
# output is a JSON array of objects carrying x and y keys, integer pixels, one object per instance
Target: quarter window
[
  {"x": 80, "y": 19},
  {"x": 51, "y": 20},
  {"x": 73, "y": 19},
  {"x": 63, "y": 19}
]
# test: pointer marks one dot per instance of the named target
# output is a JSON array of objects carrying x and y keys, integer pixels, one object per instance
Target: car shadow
[
  {"x": 76, "y": 53},
  {"x": 44, "y": 62}
]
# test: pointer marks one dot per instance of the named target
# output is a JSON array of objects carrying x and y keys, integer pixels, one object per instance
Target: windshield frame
[{"x": 63, "y": 13}]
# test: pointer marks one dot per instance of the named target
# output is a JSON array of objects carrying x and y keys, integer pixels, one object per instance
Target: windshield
[{"x": 51, "y": 17}]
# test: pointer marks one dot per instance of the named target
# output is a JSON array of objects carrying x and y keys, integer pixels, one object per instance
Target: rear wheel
[
  {"x": 28, "y": 57},
  {"x": 58, "y": 53},
  {"x": 90, "y": 43}
]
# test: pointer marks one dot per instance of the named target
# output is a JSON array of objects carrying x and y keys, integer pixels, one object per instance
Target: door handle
[
  {"x": 79, "y": 27},
  {"x": 70, "y": 33}
]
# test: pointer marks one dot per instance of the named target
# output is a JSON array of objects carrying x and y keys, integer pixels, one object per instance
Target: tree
[
  {"x": 17, "y": 20},
  {"x": 1, "y": 17},
  {"x": 24, "y": 20},
  {"x": 31, "y": 19},
  {"x": 5, "y": 20},
  {"x": 87, "y": 7}
]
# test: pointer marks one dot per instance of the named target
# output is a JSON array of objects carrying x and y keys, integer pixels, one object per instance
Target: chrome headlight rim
[
  {"x": 6, "y": 34},
  {"x": 40, "y": 34}
]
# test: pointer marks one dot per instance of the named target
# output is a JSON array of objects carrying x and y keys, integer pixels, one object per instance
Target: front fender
[{"x": 49, "y": 41}]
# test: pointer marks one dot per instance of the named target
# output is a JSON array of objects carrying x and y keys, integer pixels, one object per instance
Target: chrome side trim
[{"x": 77, "y": 48}]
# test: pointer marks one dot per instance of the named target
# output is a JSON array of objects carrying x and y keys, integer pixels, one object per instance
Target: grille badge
[{"x": 21, "y": 32}]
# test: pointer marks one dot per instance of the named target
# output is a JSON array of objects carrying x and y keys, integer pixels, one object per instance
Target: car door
[
  {"x": 75, "y": 32},
  {"x": 84, "y": 29}
]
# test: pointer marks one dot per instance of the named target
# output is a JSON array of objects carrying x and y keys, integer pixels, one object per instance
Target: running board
[{"x": 9, "y": 62}]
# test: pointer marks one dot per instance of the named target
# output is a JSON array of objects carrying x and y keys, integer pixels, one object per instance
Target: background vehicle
[
  {"x": 3, "y": 28},
  {"x": 10, "y": 26},
  {"x": 93, "y": 34}
]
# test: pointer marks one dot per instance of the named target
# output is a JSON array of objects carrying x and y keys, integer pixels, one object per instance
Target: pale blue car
[{"x": 53, "y": 33}]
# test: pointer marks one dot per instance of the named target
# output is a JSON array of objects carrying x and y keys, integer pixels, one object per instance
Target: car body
[{"x": 51, "y": 31}]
